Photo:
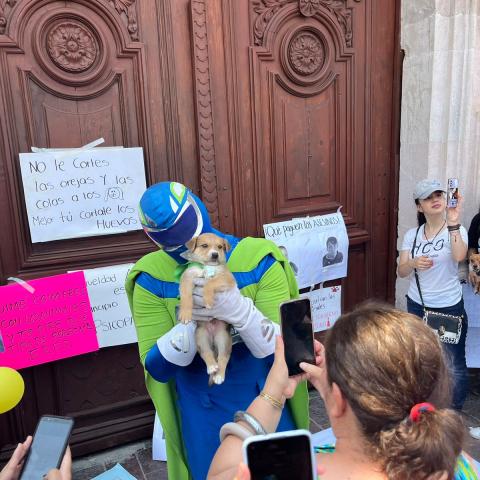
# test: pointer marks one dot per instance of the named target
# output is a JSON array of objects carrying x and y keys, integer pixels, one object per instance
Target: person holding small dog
[
  {"x": 474, "y": 276},
  {"x": 474, "y": 249},
  {"x": 433, "y": 250},
  {"x": 191, "y": 411}
]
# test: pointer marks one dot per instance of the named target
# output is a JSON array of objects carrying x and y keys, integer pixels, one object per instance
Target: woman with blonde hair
[{"x": 385, "y": 386}]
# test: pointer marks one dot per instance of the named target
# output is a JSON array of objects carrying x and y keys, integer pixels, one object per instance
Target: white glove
[
  {"x": 232, "y": 307},
  {"x": 178, "y": 344}
]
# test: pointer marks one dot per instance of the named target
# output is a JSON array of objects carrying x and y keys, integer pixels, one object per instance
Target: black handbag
[{"x": 447, "y": 327}]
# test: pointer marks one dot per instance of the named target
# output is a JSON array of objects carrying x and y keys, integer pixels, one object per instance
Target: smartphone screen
[
  {"x": 48, "y": 447},
  {"x": 297, "y": 332},
  {"x": 282, "y": 458},
  {"x": 452, "y": 193}
]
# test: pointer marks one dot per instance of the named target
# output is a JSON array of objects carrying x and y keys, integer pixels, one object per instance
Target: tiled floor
[{"x": 136, "y": 458}]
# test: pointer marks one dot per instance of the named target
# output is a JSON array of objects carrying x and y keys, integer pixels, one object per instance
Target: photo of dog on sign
[{"x": 207, "y": 259}]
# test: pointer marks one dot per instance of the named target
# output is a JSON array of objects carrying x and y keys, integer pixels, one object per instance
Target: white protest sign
[
  {"x": 82, "y": 193},
  {"x": 326, "y": 306},
  {"x": 472, "y": 305},
  {"x": 110, "y": 310},
  {"x": 472, "y": 345},
  {"x": 316, "y": 247},
  {"x": 159, "y": 445}
]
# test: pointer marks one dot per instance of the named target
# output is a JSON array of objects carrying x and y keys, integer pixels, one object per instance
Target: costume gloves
[{"x": 178, "y": 344}]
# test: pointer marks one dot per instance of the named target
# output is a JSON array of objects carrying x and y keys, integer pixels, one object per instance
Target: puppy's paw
[
  {"x": 184, "y": 315},
  {"x": 208, "y": 299},
  {"x": 212, "y": 369},
  {"x": 218, "y": 379}
]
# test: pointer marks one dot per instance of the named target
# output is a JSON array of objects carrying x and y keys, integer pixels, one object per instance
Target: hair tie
[{"x": 418, "y": 409}]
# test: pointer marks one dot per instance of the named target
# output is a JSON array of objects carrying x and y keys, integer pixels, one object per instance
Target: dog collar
[{"x": 210, "y": 270}]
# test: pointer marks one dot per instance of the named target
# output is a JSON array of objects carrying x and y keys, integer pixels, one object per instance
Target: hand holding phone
[
  {"x": 297, "y": 333},
  {"x": 13, "y": 467},
  {"x": 280, "y": 456},
  {"x": 48, "y": 448}
]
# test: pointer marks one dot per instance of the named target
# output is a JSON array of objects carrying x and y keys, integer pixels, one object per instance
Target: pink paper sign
[{"x": 53, "y": 322}]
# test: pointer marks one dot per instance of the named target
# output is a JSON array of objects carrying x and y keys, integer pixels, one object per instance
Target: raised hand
[{"x": 454, "y": 214}]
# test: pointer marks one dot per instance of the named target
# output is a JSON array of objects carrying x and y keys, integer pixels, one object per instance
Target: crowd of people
[
  {"x": 392, "y": 389},
  {"x": 408, "y": 354}
]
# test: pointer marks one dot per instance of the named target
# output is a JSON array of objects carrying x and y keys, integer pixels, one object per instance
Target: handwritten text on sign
[
  {"x": 110, "y": 310},
  {"x": 52, "y": 323},
  {"x": 316, "y": 247},
  {"x": 79, "y": 194},
  {"x": 326, "y": 306}
]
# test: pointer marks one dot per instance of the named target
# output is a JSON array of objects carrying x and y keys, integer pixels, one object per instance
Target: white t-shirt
[{"x": 440, "y": 285}]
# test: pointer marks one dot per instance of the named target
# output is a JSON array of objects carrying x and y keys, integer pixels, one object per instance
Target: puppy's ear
[
  {"x": 192, "y": 244},
  {"x": 226, "y": 245}
]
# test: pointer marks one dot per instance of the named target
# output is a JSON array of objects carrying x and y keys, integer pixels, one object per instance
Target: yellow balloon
[{"x": 12, "y": 387}]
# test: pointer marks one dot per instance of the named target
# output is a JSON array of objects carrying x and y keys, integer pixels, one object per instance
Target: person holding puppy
[
  {"x": 433, "y": 250},
  {"x": 473, "y": 277},
  {"x": 474, "y": 249},
  {"x": 191, "y": 411}
]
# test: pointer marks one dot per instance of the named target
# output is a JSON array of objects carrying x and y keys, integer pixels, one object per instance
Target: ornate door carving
[
  {"x": 71, "y": 72},
  {"x": 309, "y": 104}
]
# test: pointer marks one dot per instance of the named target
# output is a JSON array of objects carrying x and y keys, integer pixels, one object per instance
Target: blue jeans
[{"x": 455, "y": 354}]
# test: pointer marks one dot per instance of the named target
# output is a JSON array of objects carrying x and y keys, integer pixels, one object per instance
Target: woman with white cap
[{"x": 429, "y": 255}]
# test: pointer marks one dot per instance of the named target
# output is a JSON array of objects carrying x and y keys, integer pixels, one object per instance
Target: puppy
[
  {"x": 475, "y": 268},
  {"x": 208, "y": 259}
]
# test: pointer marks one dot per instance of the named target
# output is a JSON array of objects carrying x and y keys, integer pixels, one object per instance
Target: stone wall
[{"x": 440, "y": 124}]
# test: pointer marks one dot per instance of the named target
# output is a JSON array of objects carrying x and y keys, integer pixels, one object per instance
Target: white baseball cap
[{"x": 424, "y": 188}]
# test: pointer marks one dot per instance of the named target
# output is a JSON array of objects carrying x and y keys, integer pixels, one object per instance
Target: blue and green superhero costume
[{"x": 192, "y": 413}]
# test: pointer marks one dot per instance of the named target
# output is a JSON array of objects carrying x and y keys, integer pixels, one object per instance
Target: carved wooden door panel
[
  {"x": 71, "y": 72},
  {"x": 311, "y": 103}
]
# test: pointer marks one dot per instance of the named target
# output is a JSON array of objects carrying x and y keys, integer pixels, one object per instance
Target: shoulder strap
[{"x": 414, "y": 269}]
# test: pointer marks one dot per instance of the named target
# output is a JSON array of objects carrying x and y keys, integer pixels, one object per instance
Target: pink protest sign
[{"x": 50, "y": 323}]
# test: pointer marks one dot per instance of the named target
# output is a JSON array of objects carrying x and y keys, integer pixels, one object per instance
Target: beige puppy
[
  {"x": 207, "y": 259},
  {"x": 475, "y": 268}
]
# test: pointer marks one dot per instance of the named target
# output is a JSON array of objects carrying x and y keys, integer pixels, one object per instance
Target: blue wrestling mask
[{"x": 171, "y": 215}]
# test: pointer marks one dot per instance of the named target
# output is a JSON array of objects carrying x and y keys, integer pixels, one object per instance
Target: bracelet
[
  {"x": 251, "y": 421},
  {"x": 272, "y": 400},
  {"x": 235, "y": 429},
  {"x": 453, "y": 227}
]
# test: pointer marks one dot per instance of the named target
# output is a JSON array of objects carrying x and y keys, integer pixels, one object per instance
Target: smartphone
[
  {"x": 297, "y": 333},
  {"x": 452, "y": 193},
  {"x": 280, "y": 456},
  {"x": 50, "y": 441}
]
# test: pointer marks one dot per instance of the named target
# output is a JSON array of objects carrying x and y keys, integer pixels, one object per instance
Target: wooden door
[
  {"x": 307, "y": 114},
  {"x": 71, "y": 72},
  {"x": 269, "y": 109}
]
